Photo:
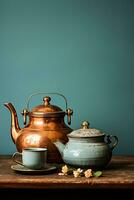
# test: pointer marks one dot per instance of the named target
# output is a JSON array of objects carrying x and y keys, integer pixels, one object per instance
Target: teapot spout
[
  {"x": 14, "y": 122},
  {"x": 60, "y": 146}
]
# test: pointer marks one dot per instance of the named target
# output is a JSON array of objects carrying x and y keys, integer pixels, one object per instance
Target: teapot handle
[
  {"x": 39, "y": 93},
  {"x": 109, "y": 140},
  {"x": 69, "y": 111}
]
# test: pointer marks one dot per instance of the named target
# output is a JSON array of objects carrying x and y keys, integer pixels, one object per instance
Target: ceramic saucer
[{"x": 24, "y": 170}]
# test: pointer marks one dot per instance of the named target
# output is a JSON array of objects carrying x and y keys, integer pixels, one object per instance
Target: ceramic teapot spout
[
  {"x": 60, "y": 146},
  {"x": 14, "y": 122}
]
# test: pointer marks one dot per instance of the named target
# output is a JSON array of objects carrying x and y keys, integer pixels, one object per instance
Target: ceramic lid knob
[{"x": 85, "y": 125}]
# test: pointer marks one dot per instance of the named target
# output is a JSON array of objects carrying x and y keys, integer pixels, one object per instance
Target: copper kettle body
[{"x": 46, "y": 124}]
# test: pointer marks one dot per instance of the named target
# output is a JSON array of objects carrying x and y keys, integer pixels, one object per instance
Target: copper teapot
[{"x": 46, "y": 124}]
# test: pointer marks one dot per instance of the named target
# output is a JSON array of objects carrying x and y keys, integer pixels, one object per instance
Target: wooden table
[{"x": 118, "y": 176}]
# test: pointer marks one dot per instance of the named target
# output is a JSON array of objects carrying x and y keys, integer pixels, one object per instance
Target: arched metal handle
[
  {"x": 25, "y": 112},
  {"x": 39, "y": 93},
  {"x": 109, "y": 140}
]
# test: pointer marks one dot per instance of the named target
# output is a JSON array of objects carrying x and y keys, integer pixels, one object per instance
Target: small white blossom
[
  {"x": 77, "y": 173},
  {"x": 88, "y": 173},
  {"x": 61, "y": 174}
]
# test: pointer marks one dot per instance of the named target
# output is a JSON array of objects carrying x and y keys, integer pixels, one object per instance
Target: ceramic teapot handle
[{"x": 109, "y": 140}]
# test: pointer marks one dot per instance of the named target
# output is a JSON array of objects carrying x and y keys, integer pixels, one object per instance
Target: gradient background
[{"x": 83, "y": 49}]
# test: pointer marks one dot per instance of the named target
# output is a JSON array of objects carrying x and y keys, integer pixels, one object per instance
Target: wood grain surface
[{"x": 119, "y": 174}]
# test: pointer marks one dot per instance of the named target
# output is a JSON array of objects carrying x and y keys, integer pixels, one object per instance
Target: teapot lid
[
  {"x": 46, "y": 107},
  {"x": 85, "y": 132}
]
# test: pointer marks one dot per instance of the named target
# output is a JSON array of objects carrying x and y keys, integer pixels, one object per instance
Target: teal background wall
[{"x": 83, "y": 49}]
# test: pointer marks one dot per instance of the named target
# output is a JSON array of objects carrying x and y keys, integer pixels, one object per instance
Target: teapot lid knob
[
  {"x": 47, "y": 100},
  {"x": 85, "y": 125}
]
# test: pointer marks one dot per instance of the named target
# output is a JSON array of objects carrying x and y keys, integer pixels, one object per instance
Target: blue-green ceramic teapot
[{"x": 87, "y": 147}]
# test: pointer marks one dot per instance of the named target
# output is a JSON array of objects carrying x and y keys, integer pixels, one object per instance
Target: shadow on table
[{"x": 65, "y": 194}]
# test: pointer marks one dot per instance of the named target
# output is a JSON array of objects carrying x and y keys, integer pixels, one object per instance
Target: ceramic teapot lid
[{"x": 85, "y": 131}]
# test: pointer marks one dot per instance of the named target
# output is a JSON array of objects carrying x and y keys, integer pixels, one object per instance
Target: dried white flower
[
  {"x": 64, "y": 169},
  {"x": 77, "y": 173},
  {"x": 61, "y": 174},
  {"x": 88, "y": 173}
]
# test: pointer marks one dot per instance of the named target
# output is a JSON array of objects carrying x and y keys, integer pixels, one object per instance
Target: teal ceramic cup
[{"x": 33, "y": 158}]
